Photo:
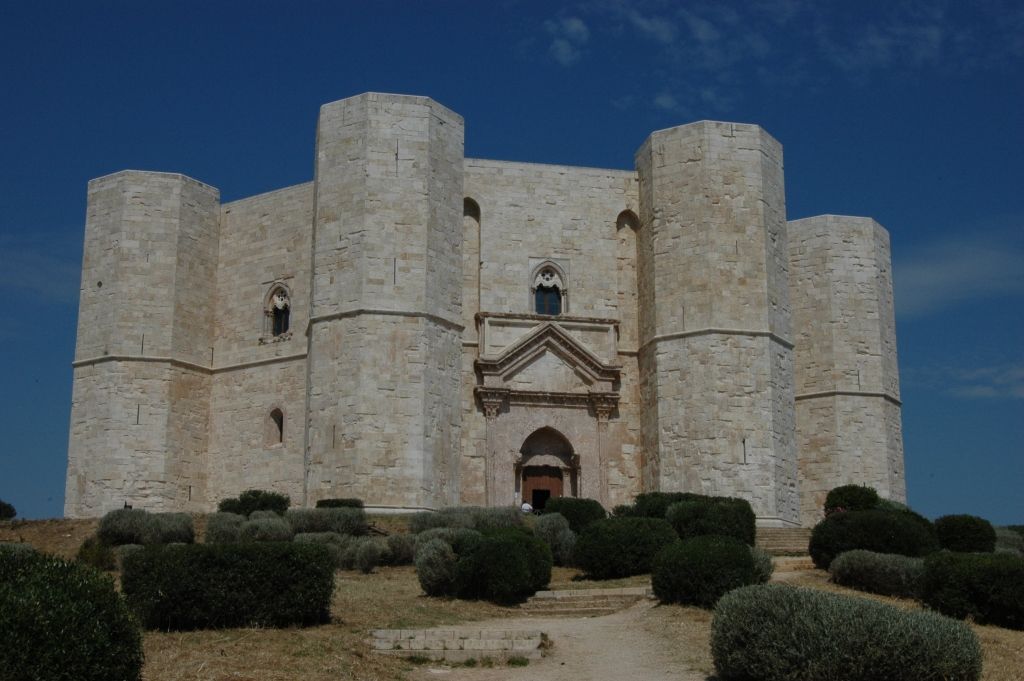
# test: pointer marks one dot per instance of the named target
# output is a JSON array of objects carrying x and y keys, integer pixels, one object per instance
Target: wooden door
[{"x": 541, "y": 483}]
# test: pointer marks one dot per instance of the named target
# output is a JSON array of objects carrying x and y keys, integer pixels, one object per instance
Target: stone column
[
  {"x": 602, "y": 411},
  {"x": 492, "y": 403}
]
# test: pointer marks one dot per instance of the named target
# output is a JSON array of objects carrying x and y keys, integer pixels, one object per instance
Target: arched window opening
[
  {"x": 275, "y": 427},
  {"x": 279, "y": 312},
  {"x": 548, "y": 290}
]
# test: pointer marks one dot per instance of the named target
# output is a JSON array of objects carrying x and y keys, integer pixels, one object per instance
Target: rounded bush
[
  {"x": 965, "y": 534},
  {"x": 878, "y": 531},
  {"x": 337, "y": 546},
  {"x": 63, "y": 621},
  {"x": 263, "y": 515},
  {"x": 265, "y": 529},
  {"x": 699, "y": 571},
  {"x": 553, "y": 529},
  {"x": 1008, "y": 541},
  {"x": 401, "y": 549},
  {"x": 775, "y": 632},
  {"x": 620, "y": 547},
  {"x": 97, "y": 554},
  {"x": 722, "y": 516},
  {"x": 459, "y": 538},
  {"x": 989, "y": 587},
  {"x": 579, "y": 512},
  {"x": 127, "y": 526},
  {"x": 851, "y": 498},
  {"x": 340, "y": 503},
  {"x": 435, "y": 567},
  {"x": 342, "y": 520},
  {"x": 880, "y": 573},
  {"x": 655, "y": 504},
  {"x": 6, "y": 510},
  {"x": 764, "y": 566},
  {"x": 223, "y": 528},
  {"x": 470, "y": 517},
  {"x": 255, "y": 500},
  {"x": 371, "y": 552}
]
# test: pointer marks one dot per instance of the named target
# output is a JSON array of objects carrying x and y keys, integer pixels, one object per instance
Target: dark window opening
[
  {"x": 278, "y": 419},
  {"x": 548, "y": 300},
  {"x": 281, "y": 315}
]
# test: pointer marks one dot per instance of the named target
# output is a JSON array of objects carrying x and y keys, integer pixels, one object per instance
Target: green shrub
[
  {"x": 620, "y": 547},
  {"x": 340, "y": 503},
  {"x": 255, "y": 500},
  {"x": 16, "y": 547},
  {"x": 340, "y": 520},
  {"x": 723, "y": 516},
  {"x": 553, "y": 529},
  {"x": 655, "y": 504},
  {"x": 120, "y": 552},
  {"x": 401, "y": 549},
  {"x": 851, "y": 498},
  {"x": 337, "y": 546},
  {"x": 459, "y": 538},
  {"x": 471, "y": 517},
  {"x": 207, "y": 586},
  {"x": 700, "y": 570},
  {"x": 888, "y": 574},
  {"x": 136, "y": 526},
  {"x": 504, "y": 566},
  {"x": 1019, "y": 529},
  {"x": 623, "y": 511},
  {"x": 988, "y": 587},
  {"x": 435, "y": 567},
  {"x": 6, "y": 510},
  {"x": 579, "y": 512},
  {"x": 878, "y": 531},
  {"x": 775, "y": 632},
  {"x": 965, "y": 534},
  {"x": 1008, "y": 541},
  {"x": 264, "y": 515},
  {"x": 94, "y": 552},
  {"x": 764, "y": 566},
  {"x": 63, "y": 621},
  {"x": 370, "y": 552},
  {"x": 223, "y": 528},
  {"x": 890, "y": 505},
  {"x": 265, "y": 529}
]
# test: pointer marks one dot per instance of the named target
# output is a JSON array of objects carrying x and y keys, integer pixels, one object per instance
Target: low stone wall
[{"x": 460, "y": 645}]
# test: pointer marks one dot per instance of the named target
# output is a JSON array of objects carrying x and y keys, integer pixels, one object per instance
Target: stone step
[
  {"x": 584, "y": 602},
  {"x": 620, "y": 602},
  {"x": 784, "y": 541},
  {"x": 460, "y": 645},
  {"x": 573, "y": 612}
]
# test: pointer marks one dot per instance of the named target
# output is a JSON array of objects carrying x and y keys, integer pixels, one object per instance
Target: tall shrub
[
  {"x": 965, "y": 534},
  {"x": 210, "y": 586},
  {"x": 775, "y": 632},
  {"x": 505, "y": 566},
  {"x": 851, "y": 498},
  {"x": 6, "y": 510},
  {"x": 988, "y": 587},
  {"x": 63, "y": 621},
  {"x": 342, "y": 520},
  {"x": 223, "y": 528},
  {"x": 881, "y": 573},
  {"x": 579, "y": 512},
  {"x": 554, "y": 529},
  {"x": 655, "y": 504},
  {"x": 723, "y": 516},
  {"x": 700, "y": 570},
  {"x": 874, "y": 530},
  {"x": 620, "y": 547}
]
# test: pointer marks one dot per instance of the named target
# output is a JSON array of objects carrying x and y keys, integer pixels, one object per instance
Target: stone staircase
[
  {"x": 784, "y": 541},
  {"x": 584, "y": 602},
  {"x": 460, "y": 645}
]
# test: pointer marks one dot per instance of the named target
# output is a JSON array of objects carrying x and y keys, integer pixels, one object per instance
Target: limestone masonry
[{"x": 419, "y": 329}]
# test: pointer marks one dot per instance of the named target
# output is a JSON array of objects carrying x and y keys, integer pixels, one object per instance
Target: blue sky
[{"x": 909, "y": 112}]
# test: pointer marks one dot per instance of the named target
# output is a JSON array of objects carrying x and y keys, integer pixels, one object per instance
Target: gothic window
[
  {"x": 275, "y": 427},
  {"x": 278, "y": 312},
  {"x": 548, "y": 291}
]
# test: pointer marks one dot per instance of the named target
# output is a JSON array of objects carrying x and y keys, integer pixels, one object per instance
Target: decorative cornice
[
  {"x": 184, "y": 364},
  {"x": 849, "y": 393},
  {"x": 548, "y": 335},
  {"x": 605, "y": 321},
  {"x": 494, "y": 399},
  {"x": 717, "y": 332},
  {"x": 437, "y": 319}
]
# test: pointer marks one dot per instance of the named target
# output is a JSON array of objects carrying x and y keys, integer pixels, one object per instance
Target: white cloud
[
  {"x": 568, "y": 35},
  {"x": 997, "y": 381},
  {"x": 660, "y": 29},
  {"x": 956, "y": 271},
  {"x": 35, "y": 271}
]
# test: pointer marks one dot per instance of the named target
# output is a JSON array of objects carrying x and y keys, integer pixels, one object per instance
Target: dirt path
[{"x": 625, "y": 645}]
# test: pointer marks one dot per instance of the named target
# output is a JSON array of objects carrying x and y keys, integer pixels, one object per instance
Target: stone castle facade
[{"x": 420, "y": 329}]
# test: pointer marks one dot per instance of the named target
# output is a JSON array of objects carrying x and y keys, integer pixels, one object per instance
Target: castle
[{"x": 420, "y": 329}]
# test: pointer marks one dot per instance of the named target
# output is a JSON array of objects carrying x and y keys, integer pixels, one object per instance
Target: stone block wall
[
  {"x": 847, "y": 385},
  {"x": 715, "y": 348}
]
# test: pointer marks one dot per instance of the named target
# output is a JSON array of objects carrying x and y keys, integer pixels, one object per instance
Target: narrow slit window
[{"x": 276, "y": 431}]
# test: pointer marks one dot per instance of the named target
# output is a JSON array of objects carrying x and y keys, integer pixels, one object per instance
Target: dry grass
[
  {"x": 570, "y": 578},
  {"x": 59, "y": 537}
]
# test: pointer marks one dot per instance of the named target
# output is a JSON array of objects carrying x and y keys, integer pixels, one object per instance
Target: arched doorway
[{"x": 547, "y": 468}]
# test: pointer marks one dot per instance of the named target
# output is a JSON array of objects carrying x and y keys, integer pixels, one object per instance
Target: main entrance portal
[{"x": 547, "y": 468}]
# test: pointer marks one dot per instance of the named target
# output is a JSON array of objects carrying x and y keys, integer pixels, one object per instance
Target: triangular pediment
[{"x": 548, "y": 355}]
